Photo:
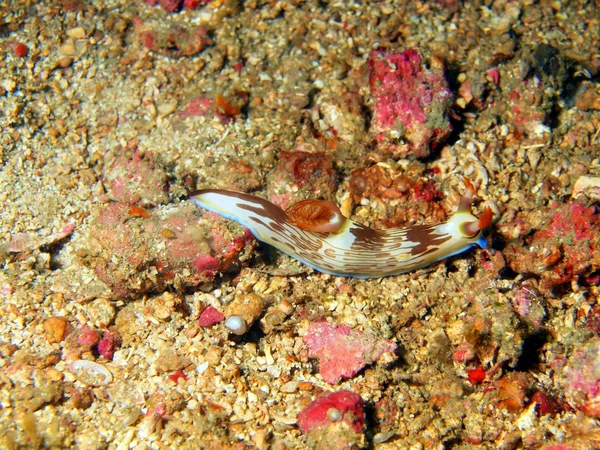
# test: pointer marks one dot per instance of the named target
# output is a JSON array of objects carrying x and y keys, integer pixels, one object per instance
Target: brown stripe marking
[
  {"x": 365, "y": 238},
  {"x": 428, "y": 241}
]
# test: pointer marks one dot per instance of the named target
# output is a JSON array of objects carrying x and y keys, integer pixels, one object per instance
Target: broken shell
[
  {"x": 587, "y": 186},
  {"x": 91, "y": 373},
  {"x": 276, "y": 316}
]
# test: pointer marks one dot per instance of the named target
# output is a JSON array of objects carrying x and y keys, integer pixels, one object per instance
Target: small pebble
[
  {"x": 76, "y": 33},
  {"x": 334, "y": 414},
  {"x": 100, "y": 312},
  {"x": 20, "y": 50},
  {"x": 289, "y": 387},
  {"x": 587, "y": 186},
  {"x": 168, "y": 234},
  {"x": 67, "y": 49},
  {"x": 65, "y": 62},
  {"x": 56, "y": 328}
]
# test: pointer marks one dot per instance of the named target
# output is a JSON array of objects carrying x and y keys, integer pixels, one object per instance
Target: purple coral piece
[{"x": 342, "y": 351}]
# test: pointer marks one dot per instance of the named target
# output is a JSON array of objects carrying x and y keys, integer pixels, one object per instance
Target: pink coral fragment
[
  {"x": 210, "y": 316},
  {"x": 464, "y": 353},
  {"x": 24, "y": 242},
  {"x": 199, "y": 106},
  {"x": 494, "y": 74},
  {"x": 581, "y": 378},
  {"x": 195, "y": 4},
  {"x": 410, "y": 101},
  {"x": 574, "y": 218},
  {"x": 346, "y": 406},
  {"x": 394, "y": 103},
  {"x": 206, "y": 263},
  {"x": 342, "y": 351},
  {"x": 88, "y": 337},
  {"x": 136, "y": 180},
  {"x": 108, "y": 344},
  {"x": 171, "y": 5}
]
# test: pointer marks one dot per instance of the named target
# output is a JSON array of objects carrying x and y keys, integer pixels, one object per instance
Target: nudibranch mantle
[{"x": 354, "y": 250}]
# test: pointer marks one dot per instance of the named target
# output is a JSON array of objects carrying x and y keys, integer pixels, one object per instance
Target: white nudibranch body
[{"x": 348, "y": 248}]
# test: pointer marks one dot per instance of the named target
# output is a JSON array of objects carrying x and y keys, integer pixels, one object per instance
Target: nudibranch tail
[{"x": 317, "y": 234}]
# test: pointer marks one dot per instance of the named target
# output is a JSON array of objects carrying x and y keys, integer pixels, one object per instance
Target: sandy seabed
[{"x": 111, "y": 112}]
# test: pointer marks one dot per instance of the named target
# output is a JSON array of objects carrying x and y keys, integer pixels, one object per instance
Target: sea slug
[{"x": 316, "y": 233}]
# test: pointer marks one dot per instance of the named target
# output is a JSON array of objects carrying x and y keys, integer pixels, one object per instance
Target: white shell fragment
[
  {"x": 588, "y": 187},
  {"x": 91, "y": 373},
  {"x": 237, "y": 325}
]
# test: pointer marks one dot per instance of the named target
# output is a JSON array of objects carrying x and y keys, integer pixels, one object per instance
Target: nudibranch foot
[{"x": 316, "y": 233}]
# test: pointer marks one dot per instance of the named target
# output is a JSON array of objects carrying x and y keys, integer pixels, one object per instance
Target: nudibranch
[{"x": 316, "y": 233}]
